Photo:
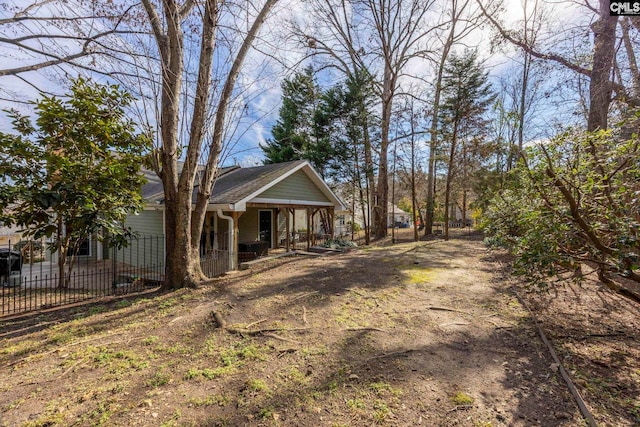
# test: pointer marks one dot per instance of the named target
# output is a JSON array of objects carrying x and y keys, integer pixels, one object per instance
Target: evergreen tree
[
  {"x": 294, "y": 132},
  {"x": 467, "y": 95}
]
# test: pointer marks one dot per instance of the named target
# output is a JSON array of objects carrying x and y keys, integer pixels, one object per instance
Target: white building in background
[
  {"x": 9, "y": 236},
  {"x": 396, "y": 217}
]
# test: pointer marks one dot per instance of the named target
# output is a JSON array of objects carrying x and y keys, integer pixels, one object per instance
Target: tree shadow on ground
[{"x": 363, "y": 384}]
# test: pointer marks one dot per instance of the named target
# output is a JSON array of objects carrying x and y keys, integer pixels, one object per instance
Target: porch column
[
  {"x": 309, "y": 228},
  {"x": 286, "y": 222},
  {"x": 236, "y": 236},
  {"x": 330, "y": 214},
  {"x": 276, "y": 237},
  {"x": 293, "y": 226}
]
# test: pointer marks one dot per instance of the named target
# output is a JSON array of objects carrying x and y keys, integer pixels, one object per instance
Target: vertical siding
[
  {"x": 248, "y": 224},
  {"x": 146, "y": 223},
  {"x": 147, "y": 251},
  {"x": 296, "y": 187}
]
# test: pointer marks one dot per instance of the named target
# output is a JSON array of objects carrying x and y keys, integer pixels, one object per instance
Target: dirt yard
[{"x": 428, "y": 333}]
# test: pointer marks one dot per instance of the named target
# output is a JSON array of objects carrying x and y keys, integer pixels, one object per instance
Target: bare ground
[{"x": 428, "y": 333}]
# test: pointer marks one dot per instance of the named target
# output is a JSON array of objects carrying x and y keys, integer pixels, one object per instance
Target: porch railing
[{"x": 215, "y": 262}]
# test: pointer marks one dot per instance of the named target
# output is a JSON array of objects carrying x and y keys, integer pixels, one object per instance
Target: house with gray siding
[{"x": 250, "y": 207}]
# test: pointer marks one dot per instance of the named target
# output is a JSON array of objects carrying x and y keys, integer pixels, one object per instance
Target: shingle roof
[
  {"x": 232, "y": 185},
  {"x": 240, "y": 183}
]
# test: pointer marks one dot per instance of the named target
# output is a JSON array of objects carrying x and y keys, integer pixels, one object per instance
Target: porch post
[
  {"x": 309, "y": 227},
  {"x": 275, "y": 238},
  {"x": 286, "y": 222},
  {"x": 236, "y": 236},
  {"x": 293, "y": 212},
  {"x": 330, "y": 214}
]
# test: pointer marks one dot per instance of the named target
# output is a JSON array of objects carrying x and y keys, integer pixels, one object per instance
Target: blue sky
[{"x": 262, "y": 76}]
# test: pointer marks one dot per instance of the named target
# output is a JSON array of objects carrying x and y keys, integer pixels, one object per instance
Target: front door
[{"x": 264, "y": 226}]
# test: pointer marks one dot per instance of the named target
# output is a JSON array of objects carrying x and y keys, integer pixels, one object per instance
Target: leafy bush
[
  {"x": 573, "y": 199},
  {"x": 339, "y": 244}
]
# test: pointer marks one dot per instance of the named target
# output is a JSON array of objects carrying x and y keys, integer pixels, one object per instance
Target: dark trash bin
[{"x": 10, "y": 265}]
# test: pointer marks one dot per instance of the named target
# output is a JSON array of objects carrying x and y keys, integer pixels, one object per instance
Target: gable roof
[{"x": 236, "y": 186}]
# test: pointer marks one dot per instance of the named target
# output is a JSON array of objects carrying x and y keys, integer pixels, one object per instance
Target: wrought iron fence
[{"x": 31, "y": 278}]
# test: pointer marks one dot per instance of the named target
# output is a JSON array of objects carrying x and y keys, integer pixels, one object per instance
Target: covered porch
[{"x": 264, "y": 229}]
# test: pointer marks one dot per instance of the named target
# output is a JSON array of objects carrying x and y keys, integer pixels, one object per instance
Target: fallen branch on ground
[
  {"x": 432, "y": 307},
  {"x": 393, "y": 353},
  {"x": 459, "y": 408},
  {"x": 255, "y": 323},
  {"x": 304, "y": 296},
  {"x": 365, "y": 329}
]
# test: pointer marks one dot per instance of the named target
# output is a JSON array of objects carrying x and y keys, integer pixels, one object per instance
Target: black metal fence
[{"x": 31, "y": 278}]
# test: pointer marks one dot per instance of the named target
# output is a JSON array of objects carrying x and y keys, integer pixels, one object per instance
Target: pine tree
[
  {"x": 294, "y": 132},
  {"x": 467, "y": 95}
]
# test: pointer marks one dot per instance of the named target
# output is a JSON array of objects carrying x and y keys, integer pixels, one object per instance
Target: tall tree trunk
[
  {"x": 450, "y": 174},
  {"x": 183, "y": 221},
  {"x": 413, "y": 180},
  {"x": 600, "y": 89},
  {"x": 382, "y": 190},
  {"x": 433, "y": 142},
  {"x": 370, "y": 178}
]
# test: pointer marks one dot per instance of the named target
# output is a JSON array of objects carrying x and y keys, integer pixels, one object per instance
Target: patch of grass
[
  {"x": 266, "y": 413},
  {"x": 418, "y": 275},
  {"x": 320, "y": 350},
  {"x": 355, "y": 404},
  {"x": 62, "y": 336},
  {"x": 237, "y": 356},
  {"x": 257, "y": 385},
  {"x": 176, "y": 348},
  {"x": 96, "y": 310},
  {"x": 296, "y": 376},
  {"x": 101, "y": 414},
  {"x": 158, "y": 379},
  {"x": 46, "y": 420},
  {"x": 21, "y": 348},
  {"x": 151, "y": 340},
  {"x": 382, "y": 388},
  {"x": 168, "y": 303},
  {"x": 173, "y": 420},
  {"x": 461, "y": 398},
  {"x": 123, "y": 304},
  {"x": 214, "y": 399},
  {"x": 12, "y": 405},
  {"x": 120, "y": 361},
  {"x": 381, "y": 411},
  {"x": 208, "y": 373}
]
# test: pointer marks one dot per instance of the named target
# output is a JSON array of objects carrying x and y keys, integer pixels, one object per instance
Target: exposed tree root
[{"x": 266, "y": 332}]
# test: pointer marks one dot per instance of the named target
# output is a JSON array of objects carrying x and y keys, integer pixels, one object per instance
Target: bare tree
[
  {"x": 383, "y": 37},
  {"x": 460, "y": 22},
  {"x": 183, "y": 221},
  {"x": 601, "y": 87},
  {"x": 192, "y": 120}
]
